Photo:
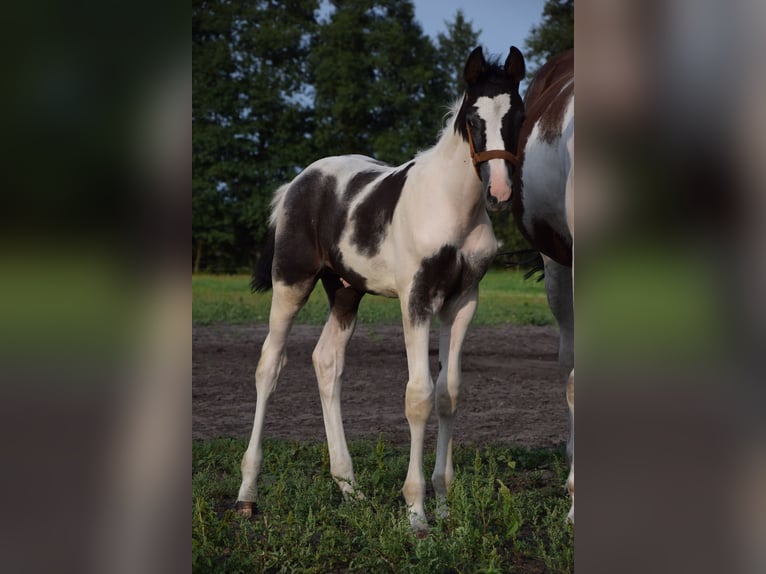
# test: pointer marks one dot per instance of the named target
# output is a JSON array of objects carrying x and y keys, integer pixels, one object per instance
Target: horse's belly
[
  {"x": 377, "y": 271},
  {"x": 544, "y": 218}
]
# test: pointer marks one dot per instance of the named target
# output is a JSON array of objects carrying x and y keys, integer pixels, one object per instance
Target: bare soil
[{"x": 512, "y": 391}]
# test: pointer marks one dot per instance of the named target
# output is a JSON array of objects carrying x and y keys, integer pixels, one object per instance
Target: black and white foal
[{"x": 419, "y": 232}]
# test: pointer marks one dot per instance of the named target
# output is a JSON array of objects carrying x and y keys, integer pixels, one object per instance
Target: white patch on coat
[{"x": 545, "y": 173}]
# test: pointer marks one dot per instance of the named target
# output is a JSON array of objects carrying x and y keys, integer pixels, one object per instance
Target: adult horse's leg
[
  {"x": 285, "y": 303},
  {"x": 329, "y": 359},
  {"x": 418, "y": 404},
  {"x": 570, "y": 443},
  {"x": 558, "y": 286},
  {"x": 455, "y": 317}
]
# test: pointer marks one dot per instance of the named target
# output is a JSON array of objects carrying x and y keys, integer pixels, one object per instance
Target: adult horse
[
  {"x": 543, "y": 199},
  {"x": 419, "y": 232}
]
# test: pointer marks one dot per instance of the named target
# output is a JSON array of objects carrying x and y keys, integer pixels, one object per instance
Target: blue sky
[{"x": 502, "y": 22}]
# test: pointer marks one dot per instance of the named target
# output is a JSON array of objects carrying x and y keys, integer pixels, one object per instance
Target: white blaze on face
[{"x": 492, "y": 111}]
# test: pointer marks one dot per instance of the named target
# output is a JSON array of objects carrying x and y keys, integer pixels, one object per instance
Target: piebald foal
[{"x": 419, "y": 232}]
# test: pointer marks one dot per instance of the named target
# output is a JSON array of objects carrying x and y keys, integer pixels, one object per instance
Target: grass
[
  {"x": 504, "y": 297},
  {"x": 507, "y": 512}
]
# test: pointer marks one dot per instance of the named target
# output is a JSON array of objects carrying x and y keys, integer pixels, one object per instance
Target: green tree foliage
[
  {"x": 377, "y": 91},
  {"x": 454, "y": 48},
  {"x": 553, "y": 35},
  {"x": 250, "y": 126}
]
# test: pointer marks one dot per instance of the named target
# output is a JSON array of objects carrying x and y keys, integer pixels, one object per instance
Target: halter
[{"x": 482, "y": 156}]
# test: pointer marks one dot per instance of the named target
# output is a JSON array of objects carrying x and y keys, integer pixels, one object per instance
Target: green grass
[
  {"x": 504, "y": 297},
  {"x": 507, "y": 512}
]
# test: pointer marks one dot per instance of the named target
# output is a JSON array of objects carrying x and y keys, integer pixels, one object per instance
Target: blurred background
[{"x": 94, "y": 247}]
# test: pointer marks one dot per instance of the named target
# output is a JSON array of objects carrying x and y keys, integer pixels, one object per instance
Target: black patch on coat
[
  {"x": 551, "y": 243},
  {"x": 344, "y": 301},
  {"x": 314, "y": 219},
  {"x": 445, "y": 274},
  {"x": 374, "y": 214},
  {"x": 438, "y": 276},
  {"x": 358, "y": 182},
  {"x": 311, "y": 213}
]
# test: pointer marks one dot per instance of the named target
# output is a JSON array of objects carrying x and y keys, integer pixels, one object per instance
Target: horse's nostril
[{"x": 491, "y": 198}]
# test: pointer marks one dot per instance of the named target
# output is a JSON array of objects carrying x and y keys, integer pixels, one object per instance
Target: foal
[{"x": 419, "y": 232}]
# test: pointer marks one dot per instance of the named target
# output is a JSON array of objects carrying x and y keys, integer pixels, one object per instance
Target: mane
[{"x": 448, "y": 127}]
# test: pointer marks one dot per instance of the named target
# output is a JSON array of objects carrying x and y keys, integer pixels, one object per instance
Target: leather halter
[{"x": 482, "y": 156}]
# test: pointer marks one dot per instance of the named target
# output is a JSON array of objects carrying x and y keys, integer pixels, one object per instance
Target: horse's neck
[
  {"x": 450, "y": 170},
  {"x": 444, "y": 200}
]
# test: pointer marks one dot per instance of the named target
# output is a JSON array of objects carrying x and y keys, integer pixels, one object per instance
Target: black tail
[
  {"x": 261, "y": 280},
  {"x": 530, "y": 259},
  {"x": 538, "y": 268}
]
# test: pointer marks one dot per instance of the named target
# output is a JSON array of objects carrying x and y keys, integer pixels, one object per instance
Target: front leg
[
  {"x": 455, "y": 318},
  {"x": 418, "y": 404}
]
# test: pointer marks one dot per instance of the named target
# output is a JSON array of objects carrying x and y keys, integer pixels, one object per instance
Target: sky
[{"x": 502, "y": 22}]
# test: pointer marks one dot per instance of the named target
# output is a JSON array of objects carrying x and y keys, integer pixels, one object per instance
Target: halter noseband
[{"x": 482, "y": 156}]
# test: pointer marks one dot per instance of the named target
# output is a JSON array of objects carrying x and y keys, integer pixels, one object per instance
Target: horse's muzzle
[{"x": 493, "y": 204}]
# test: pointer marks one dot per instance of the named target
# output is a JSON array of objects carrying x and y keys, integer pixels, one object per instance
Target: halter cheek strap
[{"x": 482, "y": 156}]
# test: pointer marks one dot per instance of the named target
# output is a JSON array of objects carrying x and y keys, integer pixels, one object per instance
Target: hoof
[
  {"x": 353, "y": 495},
  {"x": 570, "y": 516},
  {"x": 421, "y": 534},
  {"x": 246, "y": 508},
  {"x": 419, "y": 525},
  {"x": 442, "y": 511}
]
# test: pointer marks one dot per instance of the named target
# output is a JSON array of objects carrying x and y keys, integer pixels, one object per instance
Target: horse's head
[{"x": 490, "y": 119}]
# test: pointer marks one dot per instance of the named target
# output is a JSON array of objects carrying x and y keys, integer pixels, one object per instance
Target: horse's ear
[
  {"x": 514, "y": 65},
  {"x": 474, "y": 67}
]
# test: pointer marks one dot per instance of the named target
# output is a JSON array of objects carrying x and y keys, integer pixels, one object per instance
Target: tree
[
  {"x": 553, "y": 35},
  {"x": 453, "y": 49},
  {"x": 376, "y": 88},
  {"x": 250, "y": 117}
]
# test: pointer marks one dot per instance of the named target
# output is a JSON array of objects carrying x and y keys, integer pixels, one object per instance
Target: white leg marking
[
  {"x": 329, "y": 359},
  {"x": 285, "y": 303},
  {"x": 418, "y": 404},
  {"x": 455, "y": 320}
]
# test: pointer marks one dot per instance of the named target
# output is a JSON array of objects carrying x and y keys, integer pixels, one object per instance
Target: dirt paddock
[{"x": 512, "y": 391}]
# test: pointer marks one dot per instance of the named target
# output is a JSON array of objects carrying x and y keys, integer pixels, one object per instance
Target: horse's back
[{"x": 557, "y": 69}]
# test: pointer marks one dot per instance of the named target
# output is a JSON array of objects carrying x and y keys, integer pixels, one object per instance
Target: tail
[
  {"x": 530, "y": 259},
  {"x": 261, "y": 280}
]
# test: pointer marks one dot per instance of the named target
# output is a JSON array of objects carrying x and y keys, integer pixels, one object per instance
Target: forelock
[{"x": 491, "y": 82}]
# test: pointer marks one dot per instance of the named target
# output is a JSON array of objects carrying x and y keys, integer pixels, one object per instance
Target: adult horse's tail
[{"x": 261, "y": 280}]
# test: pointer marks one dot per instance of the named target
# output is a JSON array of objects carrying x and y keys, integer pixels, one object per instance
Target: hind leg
[
  {"x": 455, "y": 318},
  {"x": 285, "y": 303},
  {"x": 558, "y": 286},
  {"x": 570, "y": 444},
  {"x": 329, "y": 360}
]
